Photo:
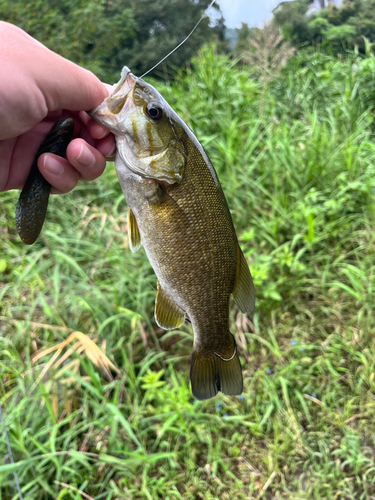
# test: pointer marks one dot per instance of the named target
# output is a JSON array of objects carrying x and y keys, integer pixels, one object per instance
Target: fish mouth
[{"x": 106, "y": 113}]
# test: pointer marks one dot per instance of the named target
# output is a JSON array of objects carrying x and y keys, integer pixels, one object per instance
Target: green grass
[{"x": 299, "y": 179}]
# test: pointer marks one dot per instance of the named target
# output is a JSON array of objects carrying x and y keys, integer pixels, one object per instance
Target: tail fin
[{"x": 210, "y": 373}]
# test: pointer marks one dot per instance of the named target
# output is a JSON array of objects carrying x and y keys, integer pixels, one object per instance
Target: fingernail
[
  {"x": 113, "y": 150},
  {"x": 86, "y": 157},
  {"x": 104, "y": 134},
  {"x": 52, "y": 165}
]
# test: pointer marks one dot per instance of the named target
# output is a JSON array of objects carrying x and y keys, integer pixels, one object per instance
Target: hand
[{"x": 37, "y": 87}]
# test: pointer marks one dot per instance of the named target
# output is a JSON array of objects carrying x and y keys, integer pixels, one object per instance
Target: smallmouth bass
[{"x": 178, "y": 212}]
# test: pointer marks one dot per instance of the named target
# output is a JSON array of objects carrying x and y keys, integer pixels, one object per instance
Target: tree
[
  {"x": 291, "y": 18},
  {"x": 86, "y": 32},
  {"x": 162, "y": 25},
  {"x": 243, "y": 37},
  {"x": 105, "y": 35},
  {"x": 338, "y": 28}
]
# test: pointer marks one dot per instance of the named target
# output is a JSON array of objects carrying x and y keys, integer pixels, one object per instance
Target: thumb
[
  {"x": 66, "y": 85},
  {"x": 63, "y": 84}
]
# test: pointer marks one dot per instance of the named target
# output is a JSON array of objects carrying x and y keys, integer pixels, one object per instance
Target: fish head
[{"x": 148, "y": 133}]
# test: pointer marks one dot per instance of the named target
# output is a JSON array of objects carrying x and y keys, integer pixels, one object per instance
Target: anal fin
[
  {"x": 168, "y": 314},
  {"x": 133, "y": 232},
  {"x": 244, "y": 291}
]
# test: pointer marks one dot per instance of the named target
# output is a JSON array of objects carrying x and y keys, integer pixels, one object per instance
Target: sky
[{"x": 252, "y": 12}]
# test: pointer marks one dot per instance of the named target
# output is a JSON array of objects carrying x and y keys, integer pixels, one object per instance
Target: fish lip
[
  {"x": 125, "y": 72},
  {"x": 122, "y": 88}
]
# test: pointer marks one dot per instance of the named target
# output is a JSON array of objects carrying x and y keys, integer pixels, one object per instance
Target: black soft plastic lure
[{"x": 33, "y": 201}]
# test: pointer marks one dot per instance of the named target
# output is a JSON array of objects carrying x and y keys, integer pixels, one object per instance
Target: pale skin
[{"x": 37, "y": 86}]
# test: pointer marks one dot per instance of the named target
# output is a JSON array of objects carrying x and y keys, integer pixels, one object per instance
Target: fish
[
  {"x": 32, "y": 203},
  {"x": 178, "y": 212}
]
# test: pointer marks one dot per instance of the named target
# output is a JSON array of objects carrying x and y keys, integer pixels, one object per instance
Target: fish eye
[{"x": 154, "y": 111}]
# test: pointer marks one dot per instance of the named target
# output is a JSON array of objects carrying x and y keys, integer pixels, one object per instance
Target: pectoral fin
[
  {"x": 133, "y": 232},
  {"x": 243, "y": 292},
  {"x": 167, "y": 313}
]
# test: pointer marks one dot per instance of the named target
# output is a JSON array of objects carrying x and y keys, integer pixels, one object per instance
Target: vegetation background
[{"x": 95, "y": 397}]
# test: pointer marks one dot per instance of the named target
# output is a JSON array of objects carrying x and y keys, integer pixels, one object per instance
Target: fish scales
[
  {"x": 192, "y": 249},
  {"x": 179, "y": 213}
]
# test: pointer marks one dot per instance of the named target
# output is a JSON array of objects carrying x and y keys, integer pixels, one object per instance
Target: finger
[
  {"x": 85, "y": 89},
  {"x": 87, "y": 160},
  {"x": 64, "y": 85},
  {"x": 54, "y": 82},
  {"x": 6, "y": 152},
  {"x": 62, "y": 176},
  {"x": 17, "y": 154},
  {"x": 95, "y": 129},
  {"x": 107, "y": 146}
]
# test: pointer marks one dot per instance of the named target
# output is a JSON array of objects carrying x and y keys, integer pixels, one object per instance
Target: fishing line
[
  {"x": 183, "y": 41},
  {"x": 10, "y": 453}
]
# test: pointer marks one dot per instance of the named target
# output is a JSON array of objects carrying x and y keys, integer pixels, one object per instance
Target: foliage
[
  {"x": 242, "y": 42},
  {"x": 91, "y": 34},
  {"x": 338, "y": 28},
  {"x": 103, "y": 35},
  {"x": 291, "y": 17},
  {"x": 300, "y": 184},
  {"x": 162, "y": 25},
  {"x": 267, "y": 53}
]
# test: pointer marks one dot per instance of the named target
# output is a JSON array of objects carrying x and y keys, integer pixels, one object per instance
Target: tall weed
[{"x": 299, "y": 179}]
